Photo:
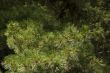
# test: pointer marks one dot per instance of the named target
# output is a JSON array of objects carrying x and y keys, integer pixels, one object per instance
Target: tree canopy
[{"x": 54, "y": 36}]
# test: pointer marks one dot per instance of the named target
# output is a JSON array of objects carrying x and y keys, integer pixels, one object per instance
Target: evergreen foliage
[{"x": 61, "y": 36}]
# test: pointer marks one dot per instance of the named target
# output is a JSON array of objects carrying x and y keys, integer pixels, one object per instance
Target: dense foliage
[{"x": 61, "y": 36}]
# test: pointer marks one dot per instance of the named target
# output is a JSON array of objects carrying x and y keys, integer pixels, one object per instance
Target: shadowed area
[{"x": 5, "y": 51}]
